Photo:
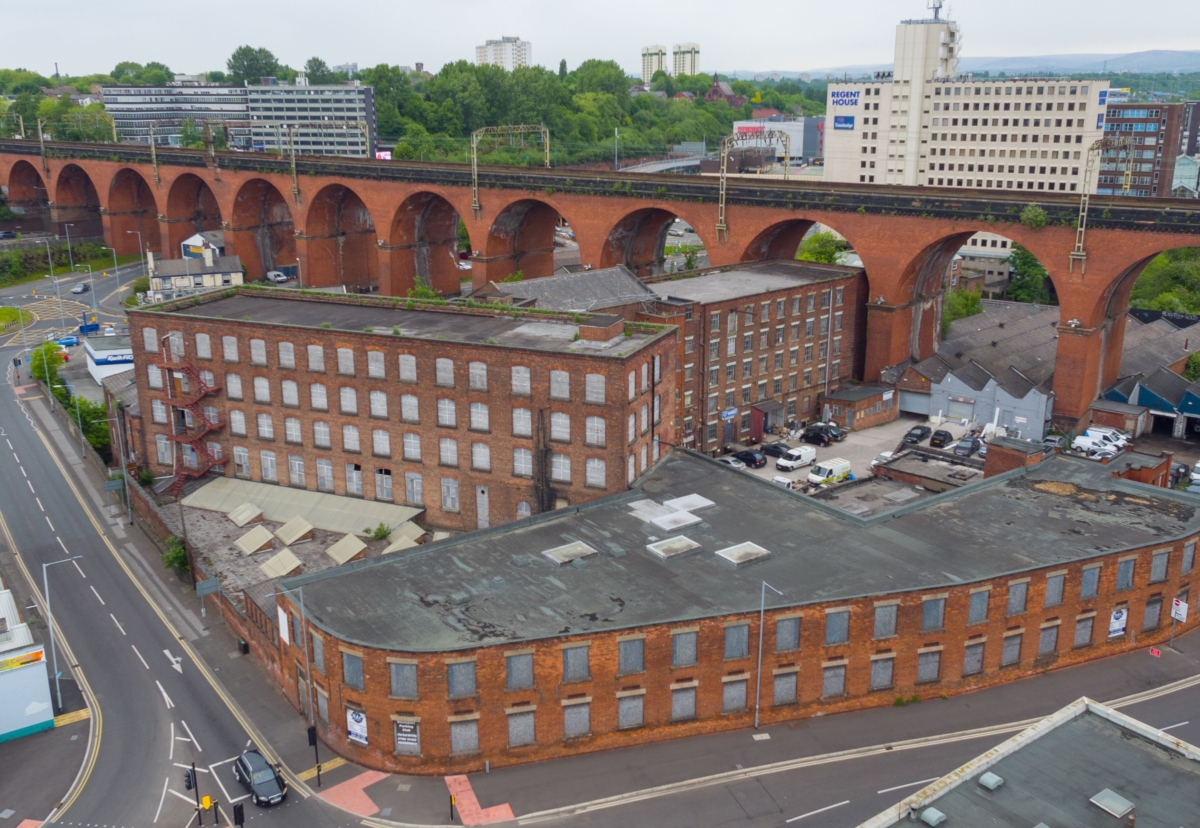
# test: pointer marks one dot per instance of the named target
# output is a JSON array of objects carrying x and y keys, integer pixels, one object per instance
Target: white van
[
  {"x": 1109, "y": 435},
  {"x": 1089, "y": 443},
  {"x": 834, "y": 470},
  {"x": 796, "y": 458}
]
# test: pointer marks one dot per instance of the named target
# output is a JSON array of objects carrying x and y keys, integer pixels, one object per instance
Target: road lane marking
[
  {"x": 181, "y": 765},
  {"x": 63, "y": 545},
  {"x": 909, "y": 785},
  {"x": 22, "y": 468},
  {"x": 39, "y": 502},
  {"x": 98, "y": 598},
  {"x": 81, "y": 575},
  {"x": 48, "y": 523},
  {"x": 174, "y": 661},
  {"x": 118, "y": 623},
  {"x": 162, "y": 798},
  {"x": 217, "y": 776},
  {"x": 9, "y": 442},
  {"x": 31, "y": 487},
  {"x": 820, "y": 810},
  {"x": 189, "y": 733},
  {"x": 18, "y": 459},
  {"x": 171, "y": 756},
  {"x": 1172, "y": 727},
  {"x": 166, "y": 698},
  {"x": 139, "y": 655},
  {"x": 186, "y": 799}
]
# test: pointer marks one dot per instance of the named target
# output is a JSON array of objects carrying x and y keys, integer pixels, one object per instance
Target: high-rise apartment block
[
  {"x": 924, "y": 124},
  {"x": 654, "y": 59},
  {"x": 507, "y": 52},
  {"x": 1155, "y": 132},
  {"x": 686, "y": 59}
]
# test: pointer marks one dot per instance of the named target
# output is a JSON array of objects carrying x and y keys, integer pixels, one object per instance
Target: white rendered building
[
  {"x": 654, "y": 59},
  {"x": 507, "y": 52},
  {"x": 686, "y": 59}
]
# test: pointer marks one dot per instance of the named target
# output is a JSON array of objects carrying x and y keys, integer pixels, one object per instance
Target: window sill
[
  {"x": 557, "y": 480},
  {"x": 482, "y": 471},
  {"x": 289, "y": 405},
  {"x": 728, "y": 659},
  {"x": 405, "y": 698},
  {"x": 377, "y": 417},
  {"x": 594, "y": 402},
  {"x": 346, "y": 413},
  {"x": 596, "y": 445},
  {"x": 885, "y": 637},
  {"x": 410, "y": 422},
  {"x": 262, "y": 439},
  {"x": 451, "y": 426},
  {"x": 382, "y": 456},
  {"x": 354, "y": 741},
  {"x": 474, "y": 430}
]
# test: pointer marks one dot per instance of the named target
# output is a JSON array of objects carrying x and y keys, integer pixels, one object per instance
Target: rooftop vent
[
  {"x": 743, "y": 553},
  {"x": 991, "y": 781},
  {"x": 669, "y": 548},
  {"x": 900, "y": 496},
  {"x": 688, "y": 503},
  {"x": 571, "y": 552},
  {"x": 675, "y": 520},
  {"x": 1112, "y": 802},
  {"x": 932, "y": 816}
]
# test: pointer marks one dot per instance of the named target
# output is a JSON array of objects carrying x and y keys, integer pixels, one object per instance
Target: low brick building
[
  {"x": 635, "y": 618},
  {"x": 860, "y": 406},
  {"x": 481, "y": 416},
  {"x": 771, "y": 336}
]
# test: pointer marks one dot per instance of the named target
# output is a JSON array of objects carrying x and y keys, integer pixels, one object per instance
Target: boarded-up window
[
  {"x": 477, "y": 376},
  {"x": 885, "y": 621},
  {"x": 150, "y": 340},
  {"x": 203, "y": 346},
  {"x": 881, "y": 673},
  {"x": 287, "y": 355},
  {"x": 629, "y": 656},
  {"x": 929, "y": 666},
  {"x": 1153, "y": 613},
  {"x": 522, "y": 420},
  {"x": 833, "y": 681},
  {"x": 1083, "y": 632},
  {"x": 464, "y": 737},
  {"x": 404, "y": 680},
  {"x": 1048, "y": 641},
  {"x": 560, "y": 385},
  {"x": 316, "y": 358},
  {"x": 291, "y": 393},
  {"x": 837, "y": 627},
  {"x": 318, "y": 399},
  {"x": 521, "y": 729},
  {"x": 737, "y": 641},
  {"x": 785, "y": 689},
  {"x": 460, "y": 679},
  {"x": 519, "y": 671},
  {"x": 520, "y": 380},
  {"x": 575, "y": 664},
  {"x": 1011, "y": 653},
  {"x": 683, "y": 704},
  {"x": 408, "y": 408},
  {"x": 352, "y": 671},
  {"x": 629, "y": 711},
  {"x": 375, "y": 364},
  {"x": 683, "y": 649},
  {"x": 444, "y": 372},
  {"x": 408, "y": 368},
  {"x": 933, "y": 612},
  {"x": 1016, "y": 598},
  {"x": 1090, "y": 583},
  {"x": 229, "y": 348},
  {"x": 1189, "y": 558},
  {"x": 258, "y": 352},
  {"x": 973, "y": 659},
  {"x": 233, "y": 386},
  {"x": 1125, "y": 574},
  {"x": 787, "y": 634},
  {"x": 1158, "y": 566},
  {"x": 733, "y": 696},
  {"x": 577, "y": 720},
  {"x": 1054, "y": 590},
  {"x": 594, "y": 388}
]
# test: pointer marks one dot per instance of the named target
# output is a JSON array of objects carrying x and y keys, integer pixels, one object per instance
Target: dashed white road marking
[
  {"x": 23, "y": 474},
  {"x": 63, "y": 545},
  {"x": 818, "y": 811},
  {"x": 139, "y": 655},
  {"x": 81, "y": 575},
  {"x": 98, "y": 598},
  {"x": 1172, "y": 727},
  {"x": 39, "y": 503},
  {"x": 909, "y": 785},
  {"x": 31, "y": 487},
  {"x": 48, "y": 523},
  {"x": 118, "y": 623},
  {"x": 171, "y": 757}
]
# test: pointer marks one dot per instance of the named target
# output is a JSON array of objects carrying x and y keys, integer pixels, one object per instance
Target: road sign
[
  {"x": 1179, "y": 610},
  {"x": 1156, "y": 652},
  {"x": 114, "y": 485},
  {"x": 208, "y": 587}
]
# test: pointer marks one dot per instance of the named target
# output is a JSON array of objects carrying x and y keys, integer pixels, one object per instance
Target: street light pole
[
  {"x": 124, "y": 465},
  {"x": 50, "y": 624},
  {"x": 116, "y": 268},
  {"x": 70, "y": 255},
  {"x": 141, "y": 249},
  {"x": 762, "y": 610}
]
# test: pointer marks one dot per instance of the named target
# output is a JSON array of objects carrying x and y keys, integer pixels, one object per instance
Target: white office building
[
  {"x": 924, "y": 124},
  {"x": 654, "y": 59},
  {"x": 507, "y": 52},
  {"x": 134, "y": 109},
  {"x": 320, "y": 120},
  {"x": 685, "y": 58}
]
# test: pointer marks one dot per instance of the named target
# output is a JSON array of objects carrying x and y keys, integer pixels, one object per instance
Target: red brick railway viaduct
[{"x": 393, "y": 225}]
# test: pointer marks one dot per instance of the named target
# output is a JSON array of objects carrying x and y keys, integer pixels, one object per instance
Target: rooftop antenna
[{"x": 936, "y": 5}]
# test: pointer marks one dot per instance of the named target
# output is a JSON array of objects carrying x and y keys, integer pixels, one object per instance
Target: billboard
[
  {"x": 1116, "y": 622},
  {"x": 22, "y": 660},
  {"x": 750, "y": 128},
  {"x": 383, "y": 155},
  {"x": 843, "y": 122}
]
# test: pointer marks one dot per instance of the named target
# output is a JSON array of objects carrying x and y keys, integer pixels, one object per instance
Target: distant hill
[{"x": 1154, "y": 60}]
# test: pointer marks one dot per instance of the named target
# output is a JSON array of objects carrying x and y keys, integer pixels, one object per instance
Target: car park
[
  {"x": 940, "y": 439},
  {"x": 775, "y": 449},
  {"x": 796, "y": 458},
  {"x": 966, "y": 446},
  {"x": 260, "y": 778},
  {"x": 1109, "y": 435},
  {"x": 731, "y": 461},
  {"x": 1088, "y": 444},
  {"x": 1054, "y": 441},
  {"x": 753, "y": 459},
  {"x": 835, "y": 431},
  {"x": 917, "y": 434}
]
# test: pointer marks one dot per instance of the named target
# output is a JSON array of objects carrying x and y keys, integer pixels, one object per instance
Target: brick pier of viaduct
[{"x": 390, "y": 225}]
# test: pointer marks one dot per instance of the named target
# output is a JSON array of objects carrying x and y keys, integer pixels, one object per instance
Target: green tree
[
  {"x": 319, "y": 73},
  {"x": 1029, "y": 281},
  {"x": 823, "y": 247},
  {"x": 562, "y": 69},
  {"x": 1034, "y": 217},
  {"x": 1170, "y": 282},
  {"x": 44, "y": 361},
  {"x": 1191, "y": 371},
  {"x": 959, "y": 304},
  {"x": 250, "y": 64}
]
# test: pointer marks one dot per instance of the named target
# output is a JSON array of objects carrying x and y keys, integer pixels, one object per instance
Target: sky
[{"x": 84, "y": 38}]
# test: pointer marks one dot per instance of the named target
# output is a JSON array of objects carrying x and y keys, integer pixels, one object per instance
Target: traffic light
[
  {"x": 189, "y": 781},
  {"x": 239, "y": 814},
  {"x": 312, "y": 736}
]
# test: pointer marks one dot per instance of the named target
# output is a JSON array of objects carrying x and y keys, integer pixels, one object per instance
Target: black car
[
  {"x": 816, "y": 436},
  {"x": 917, "y": 434},
  {"x": 775, "y": 449},
  {"x": 260, "y": 778},
  {"x": 752, "y": 459},
  {"x": 836, "y": 432},
  {"x": 941, "y": 439},
  {"x": 967, "y": 446}
]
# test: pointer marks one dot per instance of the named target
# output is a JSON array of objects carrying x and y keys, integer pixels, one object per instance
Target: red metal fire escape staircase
[{"x": 201, "y": 427}]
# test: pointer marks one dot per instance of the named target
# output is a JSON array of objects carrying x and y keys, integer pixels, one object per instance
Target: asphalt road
[{"x": 158, "y": 712}]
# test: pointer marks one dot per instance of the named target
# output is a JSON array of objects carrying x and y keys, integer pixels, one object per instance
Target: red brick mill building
[
  {"x": 635, "y": 618},
  {"x": 478, "y": 416}
]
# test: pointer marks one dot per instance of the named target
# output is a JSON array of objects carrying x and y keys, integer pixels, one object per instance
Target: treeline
[
  {"x": 17, "y": 264},
  {"x": 1171, "y": 282}
]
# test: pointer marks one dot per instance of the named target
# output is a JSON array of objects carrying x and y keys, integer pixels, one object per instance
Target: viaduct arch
[{"x": 389, "y": 226}]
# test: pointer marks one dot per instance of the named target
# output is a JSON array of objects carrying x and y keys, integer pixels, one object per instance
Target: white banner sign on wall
[
  {"x": 356, "y": 725},
  {"x": 1116, "y": 622},
  {"x": 283, "y": 625}
]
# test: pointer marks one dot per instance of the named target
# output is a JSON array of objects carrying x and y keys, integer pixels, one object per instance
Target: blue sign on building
[
  {"x": 843, "y": 122},
  {"x": 1103, "y": 96}
]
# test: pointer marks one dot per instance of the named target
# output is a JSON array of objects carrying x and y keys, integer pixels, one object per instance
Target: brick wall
[
  {"x": 865, "y": 413},
  {"x": 909, "y": 647},
  {"x": 506, "y": 491}
]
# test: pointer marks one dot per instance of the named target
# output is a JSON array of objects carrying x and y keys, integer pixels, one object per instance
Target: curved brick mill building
[{"x": 635, "y": 617}]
